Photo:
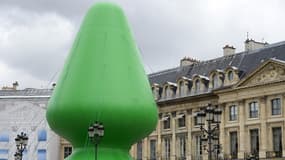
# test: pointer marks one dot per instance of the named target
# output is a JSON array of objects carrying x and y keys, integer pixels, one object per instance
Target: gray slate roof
[{"x": 246, "y": 62}]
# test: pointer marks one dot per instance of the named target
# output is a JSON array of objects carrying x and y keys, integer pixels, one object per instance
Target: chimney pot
[
  {"x": 229, "y": 50},
  {"x": 250, "y": 44},
  {"x": 186, "y": 61}
]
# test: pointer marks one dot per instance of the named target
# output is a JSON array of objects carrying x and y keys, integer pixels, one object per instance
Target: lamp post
[
  {"x": 21, "y": 144},
  {"x": 95, "y": 133},
  {"x": 210, "y": 132}
]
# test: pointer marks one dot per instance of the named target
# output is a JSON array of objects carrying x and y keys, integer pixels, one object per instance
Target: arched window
[
  {"x": 42, "y": 135},
  {"x": 155, "y": 92},
  {"x": 230, "y": 75},
  {"x": 197, "y": 86},
  {"x": 215, "y": 81},
  {"x": 181, "y": 88},
  {"x": 166, "y": 92}
]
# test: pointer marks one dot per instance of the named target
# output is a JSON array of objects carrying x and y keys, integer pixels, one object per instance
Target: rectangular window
[
  {"x": 167, "y": 148},
  {"x": 139, "y": 150},
  {"x": 277, "y": 141},
  {"x": 42, "y": 154},
  {"x": 233, "y": 113},
  {"x": 166, "y": 122},
  {"x": 4, "y": 137},
  {"x": 67, "y": 151},
  {"x": 4, "y": 151},
  {"x": 195, "y": 119},
  {"x": 182, "y": 89},
  {"x": 42, "y": 135},
  {"x": 182, "y": 147},
  {"x": 198, "y": 148},
  {"x": 233, "y": 144},
  {"x": 276, "y": 106},
  {"x": 197, "y": 86},
  {"x": 152, "y": 149},
  {"x": 253, "y": 110},
  {"x": 181, "y": 120},
  {"x": 254, "y": 142}
]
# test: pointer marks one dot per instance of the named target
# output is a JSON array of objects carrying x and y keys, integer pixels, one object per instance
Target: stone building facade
[
  {"x": 249, "y": 87},
  {"x": 24, "y": 111}
]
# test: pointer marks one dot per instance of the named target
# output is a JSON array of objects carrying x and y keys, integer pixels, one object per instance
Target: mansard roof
[{"x": 246, "y": 62}]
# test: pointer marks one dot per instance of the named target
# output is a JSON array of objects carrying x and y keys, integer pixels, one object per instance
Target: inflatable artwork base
[{"x": 103, "y": 80}]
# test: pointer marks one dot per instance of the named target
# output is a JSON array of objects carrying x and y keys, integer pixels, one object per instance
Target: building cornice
[{"x": 180, "y": 100}]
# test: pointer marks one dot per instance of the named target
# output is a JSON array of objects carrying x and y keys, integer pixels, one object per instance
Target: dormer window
[
  {"x": 155, "y": 91},
  {"x": 215, "y": 81},
  {"x": 197, "y": 86},
  {"x": 230, "y": 75},
  {"x": 181, "y": 88},
  {"x": 184, "y": 84},
  {"x": 167, "y": 92}
]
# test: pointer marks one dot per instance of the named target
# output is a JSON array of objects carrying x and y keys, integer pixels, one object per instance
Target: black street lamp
[
  {"x": 211, "y": 131},
  {"x": 95, "y": 133},
  {"x": 21, "y": 144}
]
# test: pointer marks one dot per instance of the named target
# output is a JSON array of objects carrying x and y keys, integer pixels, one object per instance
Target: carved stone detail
[{"x": 270, "y": 73}]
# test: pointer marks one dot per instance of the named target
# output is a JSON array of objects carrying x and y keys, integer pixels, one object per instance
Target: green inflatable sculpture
[{"x": 103, "y": 80}]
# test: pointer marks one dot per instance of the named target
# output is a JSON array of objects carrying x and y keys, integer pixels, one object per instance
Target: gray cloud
[
  {"x": 34, "y": 43},
  {"x": 40, "y": 33}
]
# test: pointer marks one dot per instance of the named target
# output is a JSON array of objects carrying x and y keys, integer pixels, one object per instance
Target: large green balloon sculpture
[{"x": 103, "y": 80}]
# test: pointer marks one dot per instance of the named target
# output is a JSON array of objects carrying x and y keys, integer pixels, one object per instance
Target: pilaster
[
  {"x": 222, "y": 129},
  {"x": 159, "y": 145},
  {"x": 242, "y": 133},
  {"x": 263, "y": 128},
  {"x": 173, "y": 142},
  {"x": 145, "y": 149},
  {"x": 189, "y": 136}
]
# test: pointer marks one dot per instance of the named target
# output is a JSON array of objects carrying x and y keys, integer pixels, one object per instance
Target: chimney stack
[
  {"x": 251, "y": 44},
  {"x": 186, "y": 61},
  {"x": 15, "y": 85},
  {"x": 229, "y": 50}
]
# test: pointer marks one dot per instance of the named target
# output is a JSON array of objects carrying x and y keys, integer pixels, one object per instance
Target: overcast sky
[{"x": 36, "y": 35}]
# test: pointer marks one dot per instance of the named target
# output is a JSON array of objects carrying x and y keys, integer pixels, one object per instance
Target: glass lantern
[
  {"x": 210, "y": 113},
  {"x": 201, "y": 118},
  {"x": 217, "y": 115}
]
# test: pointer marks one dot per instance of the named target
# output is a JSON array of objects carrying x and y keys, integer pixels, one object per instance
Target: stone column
[
  {"x": 159, "y": 144},
  {"x": 188, "y": 117},
  {"x": 263, "y": 128},
  {"x": 173, "y": 142},
  {"x": 242, "y": 132}
]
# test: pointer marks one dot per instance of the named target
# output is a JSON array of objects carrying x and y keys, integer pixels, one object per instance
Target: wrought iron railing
[
  {"x": 251, "y": 156},
  {"x": 273, "y": 154},
  {"x": 181, "y": 158},
  {"x": 197, "y": 157}
]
